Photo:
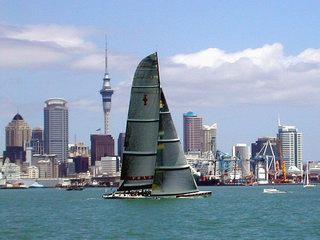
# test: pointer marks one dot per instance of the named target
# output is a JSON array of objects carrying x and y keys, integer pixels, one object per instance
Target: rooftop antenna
[{"x": 279, "y": 122}]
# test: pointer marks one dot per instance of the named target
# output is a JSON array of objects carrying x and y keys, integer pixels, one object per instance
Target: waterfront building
[
  {"x": 45, "y": 169},
  {"x": 33, "y": 172},
  {"x": 209, "y": 138},
  {"x": 121, "y": 139},
  {"x": 10, "y": 171},
  {"x": 56, "y": 130},
  {"x": 291, "y": 146},
  {"x": 192, "y": 132},
  {"x": 109, "y": 166},
  {"x": 47, "y": 165},
  {"x": 18, "y": 134},
  {"x": 106, "y": 93},
  {"x": 101, "y": 146}
]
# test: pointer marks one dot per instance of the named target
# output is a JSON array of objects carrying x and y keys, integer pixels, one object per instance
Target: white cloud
[
  {"x": 40, "y": 45},
  {"x": 63, "y": 36},
  {"x": 213, "y": 77}
]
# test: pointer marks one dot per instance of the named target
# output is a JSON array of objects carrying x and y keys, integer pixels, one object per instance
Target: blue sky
[{"x": 237, "y": 63}]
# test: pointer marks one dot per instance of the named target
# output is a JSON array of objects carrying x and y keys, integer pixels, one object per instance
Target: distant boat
[
  {"x": 153, "y": 164},
  {"x": 306, "y": 182},
  {"x": 273, "y": 191},
  {"x": 14, "y": 186},
  {"x": 77, "y": 188},
  {"x": 36, "y": 185}
]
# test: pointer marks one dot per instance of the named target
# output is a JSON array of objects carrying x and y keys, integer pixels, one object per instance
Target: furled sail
[
  {"x": 140, "y": 148},
  {"x": 172, "y": 173}
]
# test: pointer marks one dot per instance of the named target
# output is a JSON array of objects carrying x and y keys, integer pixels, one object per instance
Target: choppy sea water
[{"x": 231, "y": 213}]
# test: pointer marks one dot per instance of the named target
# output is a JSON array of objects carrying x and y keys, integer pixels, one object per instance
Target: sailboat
[
  {"x": 153, "y": 165},
  {"x": 306, "y": 183}
]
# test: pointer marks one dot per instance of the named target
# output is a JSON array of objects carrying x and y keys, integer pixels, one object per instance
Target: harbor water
[{"x": 231, "y": 213}]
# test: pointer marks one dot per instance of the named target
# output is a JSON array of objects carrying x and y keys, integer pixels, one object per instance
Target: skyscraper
[
  {"x": 18, "y": 132},
  {"x": 291, "y": 146},
  {"x": 106, "y": 93},
  {"x": 209, "y": 141},
  {"x": 121, "y": 139},
  {"x": 18, "y": 135},
  {"x": 56, "y": 130},
  {"x": 37, "y": 141},
  {"x": 192, "y": 132}
]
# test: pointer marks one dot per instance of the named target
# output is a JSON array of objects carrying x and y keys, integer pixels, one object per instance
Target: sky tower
[{"x": 106, "y": 93}]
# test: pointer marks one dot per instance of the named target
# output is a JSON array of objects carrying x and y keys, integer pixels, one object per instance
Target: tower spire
[{"x": 106, "y": 56}]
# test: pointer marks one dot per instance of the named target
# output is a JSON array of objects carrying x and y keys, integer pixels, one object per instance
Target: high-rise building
[
  {"x": 265, "y": 146},
  {"x": 121, "y": 139},
  {"x": 18, "y": 135},
  {"x": 101, "y": 146},
  {"x": 36, "y": 141},
  {"x": 56, "y": 131},
  {"x": 18, "y": 132},
  {"x": 106, "y": 93},
  {"x": 291, "y": 146},
  {"x": 192, "y": 132},
  {"x": 209, "y": 138}
]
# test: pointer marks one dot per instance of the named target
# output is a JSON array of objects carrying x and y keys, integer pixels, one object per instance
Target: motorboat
[{"x": 273, "y": 190}]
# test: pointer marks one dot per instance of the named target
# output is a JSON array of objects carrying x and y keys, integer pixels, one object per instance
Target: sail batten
[
  {"x": 143, "y": 120},
  {"x": 145, "y": 86},
  {"x": 171, "y": 168},
  {"x": 135, "y": 153},
  {"x": 168, "y": 140}
]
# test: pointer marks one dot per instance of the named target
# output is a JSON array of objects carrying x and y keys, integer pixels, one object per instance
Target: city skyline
[{"x": 237, "y": 64}]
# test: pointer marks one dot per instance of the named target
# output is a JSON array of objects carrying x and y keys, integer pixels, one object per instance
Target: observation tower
[{"x": 106, "y": 93}]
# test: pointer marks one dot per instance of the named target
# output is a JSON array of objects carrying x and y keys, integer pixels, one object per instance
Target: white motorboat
[{"x": 273, "y": 190}]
